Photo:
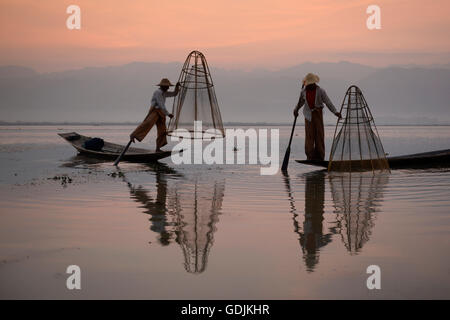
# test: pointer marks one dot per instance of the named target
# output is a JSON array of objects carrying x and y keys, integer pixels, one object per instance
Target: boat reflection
[
  {"x": 356, "y": 197},
  {"x": 185, "y": 213},
  {"x": 80, "y": 161}
]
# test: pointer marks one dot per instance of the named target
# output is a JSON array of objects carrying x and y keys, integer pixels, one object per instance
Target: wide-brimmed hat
[
  {"x": 311, "y": 78},
  {"x": 165, "y": 83}
]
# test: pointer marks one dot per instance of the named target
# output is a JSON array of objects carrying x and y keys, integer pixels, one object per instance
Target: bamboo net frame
[
  {"x": 356, "y": 142},
  {"x": 196, "y": 100}
]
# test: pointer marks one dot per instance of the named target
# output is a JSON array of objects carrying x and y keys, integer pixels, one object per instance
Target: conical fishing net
[
  {"x": 356, "y": 144},
  {"x": 196, "y": 100}
]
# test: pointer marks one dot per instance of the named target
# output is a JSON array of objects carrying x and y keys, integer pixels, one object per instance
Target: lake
[{"x": 165, "y": 231}]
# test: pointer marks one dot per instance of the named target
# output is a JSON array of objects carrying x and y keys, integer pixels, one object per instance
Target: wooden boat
[
  {"x": 112, "y": 151},
  {"x": 440, "y": 158}
]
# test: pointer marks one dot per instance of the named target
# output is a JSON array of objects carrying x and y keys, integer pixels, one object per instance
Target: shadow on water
[
  {"x": 185, "y": 213},
  {"x": 355, "y": 198}
]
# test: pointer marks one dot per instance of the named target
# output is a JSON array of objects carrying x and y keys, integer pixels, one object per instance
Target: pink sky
[{"x": 232, "y": 33}]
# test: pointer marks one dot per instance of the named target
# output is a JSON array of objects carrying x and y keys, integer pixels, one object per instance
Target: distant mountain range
[{"x": 408, "y": 94}]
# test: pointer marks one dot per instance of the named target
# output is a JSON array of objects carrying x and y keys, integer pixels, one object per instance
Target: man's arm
[
  {"x": 169, "y": 94},
  {"x": 328, "y": 103}
]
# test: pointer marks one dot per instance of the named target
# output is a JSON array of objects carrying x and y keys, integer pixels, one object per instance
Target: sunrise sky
[{"x": 233, "y": 34}]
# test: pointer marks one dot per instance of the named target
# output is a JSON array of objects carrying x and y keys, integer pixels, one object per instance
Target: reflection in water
[
  {"x": 197, "y": 209},
  {"x": 82, "y": 161},
  {"x": 311, "y": 236},
  {"x": 156, "y": 208},
  {"x": 355, "y": 197},
  {"x": 186, "y": 212}
]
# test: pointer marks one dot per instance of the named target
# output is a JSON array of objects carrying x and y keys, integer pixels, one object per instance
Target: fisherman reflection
[
  {"x": 356, "y": 197},
  {"x": 311, "y": 235},
  {"x": 312, "y": 238},
  {"x": 156, "y": 208}
]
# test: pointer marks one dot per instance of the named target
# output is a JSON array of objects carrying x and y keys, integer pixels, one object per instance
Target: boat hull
[
  {"x": 433, "y": 159},
  {"x": 111, "y": 151}
]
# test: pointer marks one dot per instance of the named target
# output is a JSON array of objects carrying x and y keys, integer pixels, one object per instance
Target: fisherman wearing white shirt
[
  {"x": 157, "y": 115},
  {"x": 160, "y": 95}
]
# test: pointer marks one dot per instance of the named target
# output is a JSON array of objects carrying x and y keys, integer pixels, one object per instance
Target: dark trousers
[{"x": 314, "y": 136}]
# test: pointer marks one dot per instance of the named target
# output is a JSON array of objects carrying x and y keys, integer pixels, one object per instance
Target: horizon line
[
  {"x": 405, "y": 66},
  {"x": 228, "y": 123}
]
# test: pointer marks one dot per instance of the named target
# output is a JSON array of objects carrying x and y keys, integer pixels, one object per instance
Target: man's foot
[{"x": 159, "y": 150}]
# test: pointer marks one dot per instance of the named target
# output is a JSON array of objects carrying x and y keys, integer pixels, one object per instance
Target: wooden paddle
[
  {"x": 123, "y": 152},
  {"x": 288, "y": 150}
]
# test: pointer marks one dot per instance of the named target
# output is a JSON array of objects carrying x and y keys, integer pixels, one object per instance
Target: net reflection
[
  {"x": 197, "y": 212},
  {"x": 356, "y": 197},
  {"x": 186, "y": 213}
]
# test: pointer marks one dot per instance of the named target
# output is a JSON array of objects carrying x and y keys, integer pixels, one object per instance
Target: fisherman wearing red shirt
[{"x": 314, "y": 97}]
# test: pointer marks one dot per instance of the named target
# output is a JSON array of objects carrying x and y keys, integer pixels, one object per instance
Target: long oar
[
  {"x": 288, "y": 150},
  {"x": 123, "y": 152}
]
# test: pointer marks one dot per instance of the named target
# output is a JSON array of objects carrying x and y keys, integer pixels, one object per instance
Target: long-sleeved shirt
[
  {"x": 159, "y": 99},
  {"x": 321, "y": 99}
]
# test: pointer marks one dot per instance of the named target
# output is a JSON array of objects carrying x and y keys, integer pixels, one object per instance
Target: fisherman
[
  {"x": 157, "y": 115},
  {"x": 314, "y": 97}
]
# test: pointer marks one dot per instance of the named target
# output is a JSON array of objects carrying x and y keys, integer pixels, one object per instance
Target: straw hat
[
  {"x": 311, "y": 78},
  {"x": 165, "y": 83}
]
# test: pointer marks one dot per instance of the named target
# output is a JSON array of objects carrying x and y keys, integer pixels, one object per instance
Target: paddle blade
[{"x": 286, "y": 159}]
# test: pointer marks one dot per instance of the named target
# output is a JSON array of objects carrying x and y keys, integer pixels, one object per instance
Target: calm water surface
[{"x": 223, "y": 231}]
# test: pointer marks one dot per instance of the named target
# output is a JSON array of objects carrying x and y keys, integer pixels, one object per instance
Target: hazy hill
[
  {"x": 16, "y": 72},
  {"x": 122, "y": 93}
]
